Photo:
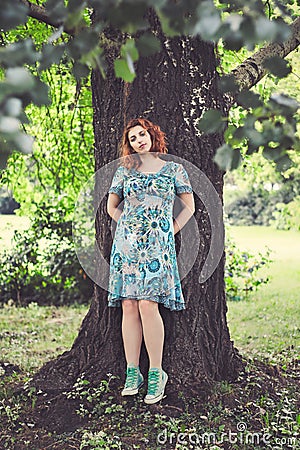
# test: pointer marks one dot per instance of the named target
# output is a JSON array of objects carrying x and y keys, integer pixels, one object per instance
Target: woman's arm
[
  {"x": 187, "y": 211},
  {"x": 112, "y": 206}
]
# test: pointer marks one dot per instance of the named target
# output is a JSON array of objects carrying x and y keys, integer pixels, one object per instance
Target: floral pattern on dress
[{"x": 143, "y": 262}]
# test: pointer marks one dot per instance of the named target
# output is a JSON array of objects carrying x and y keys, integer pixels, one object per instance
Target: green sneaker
[
  {"x": 134, "y": 380},
  {"x": 157, "y": 380}
]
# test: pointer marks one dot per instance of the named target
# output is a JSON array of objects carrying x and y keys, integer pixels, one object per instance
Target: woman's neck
[{"x": 147, "y": 158}]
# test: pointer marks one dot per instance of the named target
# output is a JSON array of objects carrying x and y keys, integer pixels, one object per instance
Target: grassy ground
[
  {"x": 267, "y": 324},
  {"x": 265, "y": 399},
  {"x": 31, "y": 336}
]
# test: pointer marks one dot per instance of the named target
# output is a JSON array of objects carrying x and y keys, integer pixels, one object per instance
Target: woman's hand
[
  {"x": 112, "y": 206},
  {"x": 186, "y": 212}
]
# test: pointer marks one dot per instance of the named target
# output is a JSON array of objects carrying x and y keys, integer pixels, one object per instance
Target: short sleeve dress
[{"x": 143, "y": 261}]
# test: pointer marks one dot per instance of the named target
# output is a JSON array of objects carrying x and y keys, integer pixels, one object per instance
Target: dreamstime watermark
[
  {"x": 240, "y": 436},
  {"x": 90, "y": 200}
]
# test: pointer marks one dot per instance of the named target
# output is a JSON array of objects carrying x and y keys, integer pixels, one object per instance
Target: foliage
[
  {"x": 43, "y": 266},
  {"x": 241, "y": 271},
  {"x": 255, "y": 207},
  {"x": 256, "y": 190},
  {"x": 271, "y": 126},
  {"x": 56, "y": 170},
  {"x": 80, "y": 38},
  {"x": 92, "y": 399},
  {"x": 98, "y": 440},
  {"x": 287, "y": 216},
  {"x": 253, "y": 133}
]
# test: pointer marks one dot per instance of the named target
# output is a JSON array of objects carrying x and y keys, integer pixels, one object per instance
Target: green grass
[
  {"x": 31, "y": 336},
  {"x": 267, "y": 323}
]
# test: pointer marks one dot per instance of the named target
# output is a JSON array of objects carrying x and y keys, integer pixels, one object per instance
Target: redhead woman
[{"x": 143, "y": 265}]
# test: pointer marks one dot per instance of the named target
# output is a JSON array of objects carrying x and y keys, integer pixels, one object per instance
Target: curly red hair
[{"x": 158, "y": 139}]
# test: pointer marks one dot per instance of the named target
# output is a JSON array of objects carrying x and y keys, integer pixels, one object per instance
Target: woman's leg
[
  {"x": 131, "y": 331},
  {"x": 153, "y": 330}
]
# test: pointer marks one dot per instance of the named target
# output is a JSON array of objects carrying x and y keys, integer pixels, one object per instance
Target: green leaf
[
  {"x": 249, "y": 100},
  {"x": 148, "y": 44},
  {"x": 255, "y": 138},
  {"x": 227, "y": 158},
  {"x": 122, "y": 70},
  {"x": 52, "y": 54},
  {"x": 283, "y": 163},
  {"x": 265, "y": 29},
  {"x": 40, "y": 94},
  {"x": 166, "y": 25},
  {"x": 76, "y": 13},
  {"x": 277, "y": 66},
  {"x": 19, "y": 53},
  {"x": 227, "y": 83},
  {"x": 248, "y": 32},
  {"x": 208, "y": 21},
  {"x": 272, "y": 153},
  {"x": 80, "y": 70},
  {"x": 12, "y": 14},
  {"x": 231, "y": 32},
  {"x": 283, "y": 31},
  {"x": 130, "y": 49},
  {"x": 83, "y": 43},
  {"x": 13, "y": 107},
  {"x": 56, "y": 10},
  {"x": 236, "y": 159},
  {"x": 9, "y": 125},
  {"x": 124, "y": 67},
  {"x": 212, "y": 121},
  {"x": 20, "y": 79},
  {"x": 128, "y": 16}
]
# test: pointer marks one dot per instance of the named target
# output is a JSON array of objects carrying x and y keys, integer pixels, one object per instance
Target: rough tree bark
[{"x": 172, "y": 88}]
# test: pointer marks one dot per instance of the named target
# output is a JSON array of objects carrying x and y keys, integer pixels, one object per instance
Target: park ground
[{"x": 259, "y": 410}]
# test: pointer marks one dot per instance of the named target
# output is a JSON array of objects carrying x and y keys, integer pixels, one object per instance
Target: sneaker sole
[
  {"x": 151, "y": 401},
  {"x": 133, "y": 392}
]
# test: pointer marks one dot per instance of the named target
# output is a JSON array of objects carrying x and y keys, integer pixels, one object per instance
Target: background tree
[{"x": 183, "y": 63}]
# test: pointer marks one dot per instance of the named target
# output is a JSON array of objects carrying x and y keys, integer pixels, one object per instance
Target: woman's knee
[
  {"x": 148, "y": 307},
  {"x": 130, "y": 306}
]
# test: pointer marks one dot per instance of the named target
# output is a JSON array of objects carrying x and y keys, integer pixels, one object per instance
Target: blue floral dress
[{"x": 143, "y": 261}]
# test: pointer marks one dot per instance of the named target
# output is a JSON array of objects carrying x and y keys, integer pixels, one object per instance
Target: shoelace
[
  {"x": 131, "y": 376},
  {"x": 153, "y": 382}
]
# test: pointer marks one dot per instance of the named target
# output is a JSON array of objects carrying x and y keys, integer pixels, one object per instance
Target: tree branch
[
  {"x": 251, "y": 71},
  {"x": 40, "y": 13}
]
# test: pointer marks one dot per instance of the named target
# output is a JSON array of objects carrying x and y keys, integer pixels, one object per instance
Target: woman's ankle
[{"x": 131, "y": 364}]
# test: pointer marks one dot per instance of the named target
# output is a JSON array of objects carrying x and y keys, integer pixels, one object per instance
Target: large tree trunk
[{"x": 171, "y": 88}]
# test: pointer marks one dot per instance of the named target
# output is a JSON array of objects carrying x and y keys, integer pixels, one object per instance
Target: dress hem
[{"x": 173, "y": 305}]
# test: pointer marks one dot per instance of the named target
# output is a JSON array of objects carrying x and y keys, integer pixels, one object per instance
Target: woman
[{"x": 143, "y": 266}]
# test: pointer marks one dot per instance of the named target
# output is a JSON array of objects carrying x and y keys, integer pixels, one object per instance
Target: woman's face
[{"x": 139, "y": 139}]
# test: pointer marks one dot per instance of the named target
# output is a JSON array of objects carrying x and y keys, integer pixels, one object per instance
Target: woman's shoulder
[
  {"x": 120, "y": 169},
  {"x": 175, "y": 166}
]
